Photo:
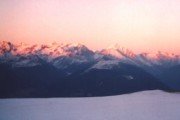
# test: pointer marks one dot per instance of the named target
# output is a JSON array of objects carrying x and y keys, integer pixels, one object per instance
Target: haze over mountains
[{"x": 66, "y": 70}]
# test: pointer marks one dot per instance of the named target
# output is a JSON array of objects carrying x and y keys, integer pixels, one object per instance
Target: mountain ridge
[
  {"x": 80, "y": 53},
  {"x": 73, "y": 70}
]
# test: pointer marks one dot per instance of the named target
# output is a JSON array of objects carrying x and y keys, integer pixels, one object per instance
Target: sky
[{"x": 139, "y": 25}]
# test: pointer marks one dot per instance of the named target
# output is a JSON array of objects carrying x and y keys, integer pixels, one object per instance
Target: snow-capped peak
[
  {"x": 53, "y": 49},
  {"x": 62, "y": 54},
  {"x": 118, "y": 51},
  {"x": 115, "y": 46},
  {"x": 5, "y": 47},
  {"x": 57, "y": 54}
]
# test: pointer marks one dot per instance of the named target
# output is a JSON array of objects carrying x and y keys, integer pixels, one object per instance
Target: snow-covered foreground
[{"x": 148, "y": 105}]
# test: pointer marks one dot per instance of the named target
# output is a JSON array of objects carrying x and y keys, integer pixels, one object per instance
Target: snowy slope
[
  {"x": 105, "y": 64},
  {"x": 148, "y": 105}
]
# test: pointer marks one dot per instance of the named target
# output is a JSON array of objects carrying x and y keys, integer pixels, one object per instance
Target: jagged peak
[
  {"x": 75, "y": 45},
  {"x": 5, "y": 47},
  {"x": 116, "y": 47},
  {"x": 118, "y": 51},
  {"x": 54, "y": 49},
  {"x": 68, "y": 49}
]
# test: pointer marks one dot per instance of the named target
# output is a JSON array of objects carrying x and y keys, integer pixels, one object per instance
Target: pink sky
[{"x": 140, "y": 25}]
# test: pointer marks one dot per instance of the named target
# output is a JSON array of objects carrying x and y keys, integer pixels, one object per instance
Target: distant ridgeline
[{"x": 73, "y": 70}]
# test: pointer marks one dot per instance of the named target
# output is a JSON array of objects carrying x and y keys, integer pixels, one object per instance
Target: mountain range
[{"x": 73, "y": 70}]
